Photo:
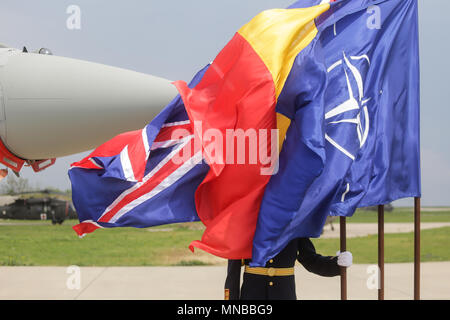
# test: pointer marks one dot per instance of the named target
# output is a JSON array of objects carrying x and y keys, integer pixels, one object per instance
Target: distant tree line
[
  {"x": 12, "y": 185},
  {"x": 387, "y": 207}
]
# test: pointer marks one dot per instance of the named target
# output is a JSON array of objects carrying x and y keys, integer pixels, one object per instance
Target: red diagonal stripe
[
  {"x": 166, "y": 132},
  {"x": 109, "y": 149},
  {"x": 150, "y": 184}
]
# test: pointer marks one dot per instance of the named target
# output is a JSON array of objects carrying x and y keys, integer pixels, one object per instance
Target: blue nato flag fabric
[{"x": 353, "y": 100}]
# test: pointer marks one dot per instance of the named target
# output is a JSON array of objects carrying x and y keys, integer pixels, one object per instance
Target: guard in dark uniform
[{"x": 276, "y": 281}]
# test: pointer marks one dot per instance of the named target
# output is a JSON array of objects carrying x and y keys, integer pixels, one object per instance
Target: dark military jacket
[{"x": 264, "y": 287}]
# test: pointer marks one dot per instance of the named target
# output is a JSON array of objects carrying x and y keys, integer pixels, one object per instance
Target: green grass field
[
  {"x": 400, "y": 215},
  {"x": 38, "y": 243},
  {"x": 44, "y": 244},
  {"x": 399, "y": 247}
]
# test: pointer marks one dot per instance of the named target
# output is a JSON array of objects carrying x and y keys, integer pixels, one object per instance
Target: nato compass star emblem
[{"x": 356, "y": 103}]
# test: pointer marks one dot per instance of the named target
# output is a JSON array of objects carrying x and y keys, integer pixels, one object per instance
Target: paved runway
[{"x": 206, "y": 283}]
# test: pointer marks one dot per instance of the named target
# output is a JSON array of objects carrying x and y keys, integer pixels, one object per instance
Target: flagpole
[
  {"x": 381, "y": 251},
  {"x": 343, "y": 247},
  {"x": 417, "y": 248}
]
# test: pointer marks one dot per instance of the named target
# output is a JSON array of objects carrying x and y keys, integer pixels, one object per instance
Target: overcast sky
[{"x": 174, "y": 39}]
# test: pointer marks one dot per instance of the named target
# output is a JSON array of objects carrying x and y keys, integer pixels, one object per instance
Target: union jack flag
[{"x": 129, "y": 180}]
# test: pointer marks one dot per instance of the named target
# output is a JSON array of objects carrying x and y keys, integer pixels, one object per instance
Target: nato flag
[{"x": 353, "y": 100}]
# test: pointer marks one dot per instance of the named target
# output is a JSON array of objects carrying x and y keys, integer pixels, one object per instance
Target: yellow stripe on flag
[
  {"x": 283, "y": 124},
  {"x": 279, "y": 35}
]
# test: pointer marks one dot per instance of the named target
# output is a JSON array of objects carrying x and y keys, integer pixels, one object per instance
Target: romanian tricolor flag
[{"x": 240, "y": 90}]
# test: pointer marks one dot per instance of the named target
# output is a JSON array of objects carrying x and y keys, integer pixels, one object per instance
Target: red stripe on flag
[
  {"x": 166, "y": 170},
  {"x": 85, "y": 227},
  {"x": 167, "y": 133},
  {"x": 108, "y": 149},
  {"x": 236, "y": 92}
]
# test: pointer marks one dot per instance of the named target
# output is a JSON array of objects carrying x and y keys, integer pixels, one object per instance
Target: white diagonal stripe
[
  {"x": 148, "y": 176},
  {"x": 126, "y": 165},
  {"x": 166, "y": 183},
  {"x": 173, "y": 124},
  {"x": 165, "y": 144},
  {"x": 145, "y": 141}
]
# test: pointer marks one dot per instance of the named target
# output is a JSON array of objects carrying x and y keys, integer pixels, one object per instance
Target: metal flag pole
[
  {"x": 417, "y": 248},
  {"x": 343, "y": 247},
  {"x": 381, "y": 252}
]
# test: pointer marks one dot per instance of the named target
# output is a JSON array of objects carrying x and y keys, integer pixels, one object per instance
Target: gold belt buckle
[{"x": 271, "y": 272}]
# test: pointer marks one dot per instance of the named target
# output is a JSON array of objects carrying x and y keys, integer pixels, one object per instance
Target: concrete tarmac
[
  {"x": 364, "y": 229},
  {"x": 206, "y": 283}
]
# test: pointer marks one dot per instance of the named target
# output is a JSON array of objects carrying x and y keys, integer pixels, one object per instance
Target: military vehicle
[{"x": 37, "y": 205}]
